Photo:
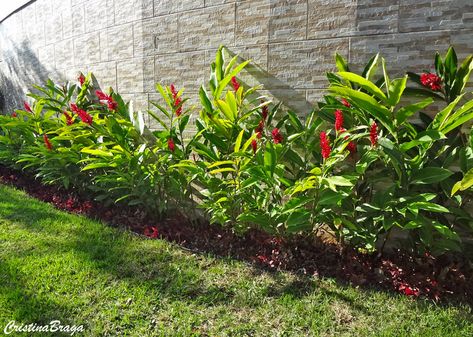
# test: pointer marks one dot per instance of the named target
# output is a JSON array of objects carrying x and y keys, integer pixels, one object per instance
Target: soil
[{"x": 442, "y": 278}]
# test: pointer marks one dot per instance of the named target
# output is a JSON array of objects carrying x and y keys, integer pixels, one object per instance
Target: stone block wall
[{"x": 132, "y": 44}]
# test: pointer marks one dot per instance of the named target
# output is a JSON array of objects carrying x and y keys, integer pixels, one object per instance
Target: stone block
[
  {"x": 163, "y": 7},
  {"x": 304, "y": 64},
  {"x": 288, "y": 20},
  {"x": 423, "y": 15},
  {"x": 105, "y": 73},
  {"x": 62, "y": 52},
  {"x": 188, "y": 70},
  {"x": 157, "y": 35},
  {"x": 87, "y": 48},
  {"x": 116, "y": 43},
  {"x": 252, "y": 22},
  {"x": 207, "y": 28}
]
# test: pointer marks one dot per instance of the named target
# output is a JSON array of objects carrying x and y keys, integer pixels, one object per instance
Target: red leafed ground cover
[{"x": 434, "y": 278}]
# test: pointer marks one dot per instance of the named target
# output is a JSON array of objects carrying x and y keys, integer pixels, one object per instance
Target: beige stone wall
[{"x": 131, "y": 44}]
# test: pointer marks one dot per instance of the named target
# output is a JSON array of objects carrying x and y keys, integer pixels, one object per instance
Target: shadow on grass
[{"x": 149, "y": 264}]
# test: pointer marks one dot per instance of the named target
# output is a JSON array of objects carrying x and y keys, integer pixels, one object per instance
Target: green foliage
[{"x": 389, "y": 164}]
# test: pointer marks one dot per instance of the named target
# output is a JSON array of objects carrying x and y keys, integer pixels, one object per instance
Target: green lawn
[{"x": 54, "y": 265}]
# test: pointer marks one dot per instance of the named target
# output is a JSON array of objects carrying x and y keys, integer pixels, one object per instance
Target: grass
[{"x": 55, "y": 265}]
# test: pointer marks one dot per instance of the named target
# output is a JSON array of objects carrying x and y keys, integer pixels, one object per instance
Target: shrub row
[{"x": 364, "y": 164}]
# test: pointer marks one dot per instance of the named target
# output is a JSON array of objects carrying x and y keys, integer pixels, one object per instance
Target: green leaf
[
  {"x": 368, "y": 103},
  {"x": 430, "y": 175},
  {"x": 370, "y": 69},
  {"x": 298, "y": 221},
  {"x": 204, "y": 99},
  {"x": 223, "y": 169},
  {"x": 462, "y": 77},
  {"x": 238, "y": 141},
  {"x": 465, "y": 183},
  {"x": 97, "y": 152},
  {"x": 270, "y": 158},
  {"x": 441, "y": 118},
  {"x": 407, "y": 111},
  {"x": 396, "y": 89},
  {"x": 341, "y": 63},
  {"x": 422, "y": 138},
  {"x": 428, "y": 206},
  {"x": 222, "y": 84},
  {"x": 364, "y": 83}
]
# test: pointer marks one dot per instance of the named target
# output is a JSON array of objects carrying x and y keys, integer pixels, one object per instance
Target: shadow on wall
[
  {"x": 280, "y": 90},
  {"x": 19, "y": 69}
]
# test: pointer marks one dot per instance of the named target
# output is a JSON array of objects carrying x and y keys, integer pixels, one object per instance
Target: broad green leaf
[
  {"x": 97, "y": 152},
  {"x": 396, "y": 89},
  {"x": 364, "y": 83},
  {"x": 298, "y": 221},
  {"x": 407, "y": 111},
  {"x": 422, "y": 138},
  {"x": 230, "y": 98},
  {"x": 204, "y": 99},
  {"x": 223, "y": 169},
  {"x": 428, "y": 206},
  {"x": 465, "y": 183},
  {"x": 222, "y": 84},
  {"x": 370, "y": 69},
  {"x": 341, "y": 63},
  {"x": 238, "y": 141},
  {"x": 441, "y": 118},
  {"x": 430, "y": 175}
]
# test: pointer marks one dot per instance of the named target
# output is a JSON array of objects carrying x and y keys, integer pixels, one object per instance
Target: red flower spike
[
  {"x": 101, "y": 95},
  {"x": 69, "y": 120},
  {"x": 325, "y": 145},
  {"x": 431, "y": 81},
  {"x": 264, "y": 111},
  {"x": 254, "y": 145},
  {"x": 171, "y": 145},
  {"x": 259, "y": 135},
  {"x": 351, "y": 146},
  {"x": 338, "y": 120},
  {"x": 235, "y": 84},
  {"x": 260, "y": 127},
  {"x": 84, "y": 116},
  {"x": 47, "y": 143},
  {"x": 14, "y": 114},
  {"x": 27, "y": 107},
  {"x": 177, "y": 100},
  {"x": 81, "y": 79},
  {"x": 151, "y": 232},
  {"x": 346, "y": 103},
  {"x": 374, "y": 134},
  {"x": 173, "y": 91},
  {"x": 277, "y": 137}
]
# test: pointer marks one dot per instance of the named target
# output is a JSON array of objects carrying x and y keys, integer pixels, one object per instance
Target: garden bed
[{"x": 435, "y": 278}]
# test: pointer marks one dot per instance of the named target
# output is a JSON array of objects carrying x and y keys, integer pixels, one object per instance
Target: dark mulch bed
[{"x": 447, "y": 277}]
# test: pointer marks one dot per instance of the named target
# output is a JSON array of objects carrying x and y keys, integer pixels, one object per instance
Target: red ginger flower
[
  {"x": 264, "y": 111},
  {"x": 277, "y": 137},
  {"x": 14, "y": 114},
  {"x": 260, "y": 127},
  {"x": 84, "y": 116},
  {"x": 69, "y": 120},
  {"x": 346, "y": 103},
  {"x": 325, "y": 145},
  {"x": 47, "y": 143},
  {"x": 374, "y": 134},
  {"x": 351, "y": 146},
  {"x": 338, "y": 120},
  {"x": 151, "y": 232},
  {"x": 171, "y": 145},
  {"x": 81, "y": 79},
  {"x": 254, "y": 145},
  {"x": 177, "y": 100},
  {"x": 431, "y": 81},
  {"x": 111, "y": 104},
  {"x": 27, "y": 107},
  {"x": 235, "y": 84}
]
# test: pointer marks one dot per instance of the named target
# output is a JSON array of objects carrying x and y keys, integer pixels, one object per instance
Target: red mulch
[{"x": 447, "y": 277}]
